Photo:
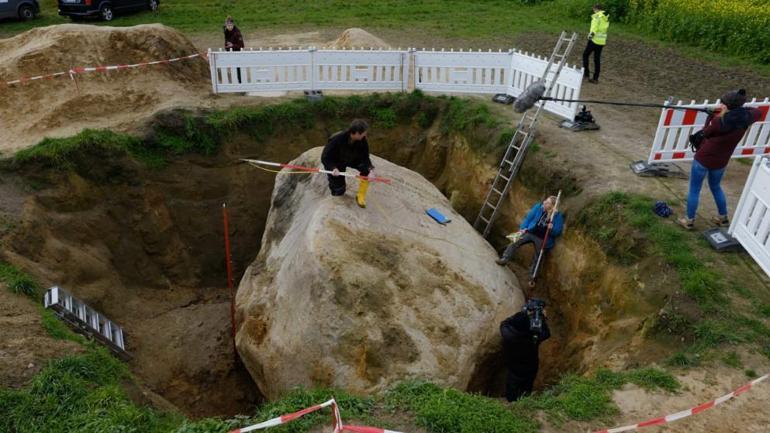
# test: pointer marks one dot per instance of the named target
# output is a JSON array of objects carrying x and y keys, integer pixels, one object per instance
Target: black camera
[{"x": 534, "y": 308}]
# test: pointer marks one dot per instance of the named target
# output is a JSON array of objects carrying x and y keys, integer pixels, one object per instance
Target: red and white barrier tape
[
  {"x": 81, "y": 70},
  {"x": 339, "y": 427},
  {"x": 257, "y": 162},
  {"x": 686, "y": 413},
  {"x": 283, "y": 419},
  {"x": 362, "y": 429}
]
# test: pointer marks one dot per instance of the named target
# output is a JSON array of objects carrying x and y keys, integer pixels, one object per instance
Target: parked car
[
  {"x": 21, "y": 9},
  {"x": 104, "y": 9}
]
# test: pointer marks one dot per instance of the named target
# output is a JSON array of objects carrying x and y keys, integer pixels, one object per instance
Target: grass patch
[
  {"x": 79, "y": 394},
  {"x": 683, "y": 360},
  {"x": 589, "y": 398},
  {"x": 181, "y": 133},
  {"x": 17, "y": 281},
  {"x": 732, "y": 359},
  {"x": 627, "y": 229},
  {"x": 442, "y": 410}
]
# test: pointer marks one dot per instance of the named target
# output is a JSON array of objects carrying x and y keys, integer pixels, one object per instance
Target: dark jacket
[
  {"x": 340, "y": 152},
  {"x": 520, "y": 350},
  {"x": 530, "y": 223},
  {"x": 722, "y": 134},
  {"x": 235, "y": 38}
]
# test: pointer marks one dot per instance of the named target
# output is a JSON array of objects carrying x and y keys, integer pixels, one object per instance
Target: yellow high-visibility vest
[{"x": 599, "y": 25}]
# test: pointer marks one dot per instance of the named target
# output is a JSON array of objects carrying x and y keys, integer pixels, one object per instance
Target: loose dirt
[{"x": 62, "y": 107}]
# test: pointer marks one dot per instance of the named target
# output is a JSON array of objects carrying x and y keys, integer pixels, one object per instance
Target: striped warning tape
[
  {"x": 686, "y": 413},
  {"x": 81, "y": 70},
  {"x": 362, "y": 429},
  {"x": 339, "y": 427},
  {"x": 283, "y": 419}
]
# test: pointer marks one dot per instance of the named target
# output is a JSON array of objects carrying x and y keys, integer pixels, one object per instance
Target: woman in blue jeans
[{"x": 721, "y": 135}]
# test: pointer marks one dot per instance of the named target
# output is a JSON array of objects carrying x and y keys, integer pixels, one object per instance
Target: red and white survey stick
[{"x": 315, "y": 170}]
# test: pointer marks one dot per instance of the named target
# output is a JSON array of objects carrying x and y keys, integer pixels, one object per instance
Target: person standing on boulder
[
  {"x": 597, "y": 39},
  {"x": 721, "y": 135},
  {"x": 532, "y": 231},
  {"x": 345, "y": 149},
  {"x": 233, "y": 40}
]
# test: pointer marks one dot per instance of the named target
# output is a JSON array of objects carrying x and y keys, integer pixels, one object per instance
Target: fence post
[
  {"x": 213, "y": 68},
  {"x": 745, "y": 193},
  {"x": 313, "y": 71}
]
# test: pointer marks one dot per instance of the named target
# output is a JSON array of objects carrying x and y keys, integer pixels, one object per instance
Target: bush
[{"x": 18, "y": 281}]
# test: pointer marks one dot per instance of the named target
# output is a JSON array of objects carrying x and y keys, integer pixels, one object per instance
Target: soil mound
[
  {"x": 61, "y": 107},
  {"x": 356, "y": 38},
  {"x": 360, "y": 299}
]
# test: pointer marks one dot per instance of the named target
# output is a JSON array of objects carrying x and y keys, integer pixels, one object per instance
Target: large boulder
[{"x": 359, "y": 299}]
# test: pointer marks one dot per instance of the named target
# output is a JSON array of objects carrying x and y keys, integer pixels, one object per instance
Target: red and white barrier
[
  {"x": 675, "y": 126},
  {"x": 362, "y": 429},
  {"x": 686, "y": 413},
  {"x": 283, "y": 419},
  {"x": 339, "y": 427},
  {"x": 82, "y": 70}
]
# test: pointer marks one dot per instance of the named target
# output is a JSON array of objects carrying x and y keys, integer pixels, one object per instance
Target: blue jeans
[{"x": 697, "y": 174}]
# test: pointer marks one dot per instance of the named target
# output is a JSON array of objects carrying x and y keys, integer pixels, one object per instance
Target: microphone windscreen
[{"x": 529, "y": 97}]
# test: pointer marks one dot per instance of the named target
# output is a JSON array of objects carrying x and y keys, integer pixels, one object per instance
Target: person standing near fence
[
  {"x": 233, "y": 40},
  {"x": 721, "y": 135},
  {"x": 597, "y": 39}
]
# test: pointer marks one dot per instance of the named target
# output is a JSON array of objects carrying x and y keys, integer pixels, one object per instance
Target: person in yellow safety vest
[{"x": 597, "y": 39}]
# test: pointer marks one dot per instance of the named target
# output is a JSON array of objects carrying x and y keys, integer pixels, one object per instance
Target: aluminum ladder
[{"x": 522, "y": 138}]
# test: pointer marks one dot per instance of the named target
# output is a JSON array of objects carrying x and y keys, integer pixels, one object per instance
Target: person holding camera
[
  {"x": 539, "y": 220},
  {"x": 721, "y": 135},
  {"x": 597, "y": 39},
  {"x": 522, "y": 334}
]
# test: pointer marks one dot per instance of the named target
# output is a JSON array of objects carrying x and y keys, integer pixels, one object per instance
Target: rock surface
[
  {"x": 357, "y": 38},
  {"x": 360, "y": 299}
]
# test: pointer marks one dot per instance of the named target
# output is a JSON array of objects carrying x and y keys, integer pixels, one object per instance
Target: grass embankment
[
  {"x": 205, "y": 134},
  {"x": 730, "y": 307},
  {"x": 728, "y": 32},
  {"x": 85, "y": 393}
]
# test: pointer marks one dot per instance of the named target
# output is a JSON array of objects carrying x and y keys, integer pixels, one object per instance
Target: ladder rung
[
  {"x": 497, "y": 191},
  {"x": 483, "y": 219},
  {"x": 506, "y": 178}
]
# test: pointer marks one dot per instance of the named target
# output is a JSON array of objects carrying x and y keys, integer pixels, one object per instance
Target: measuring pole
[
  {"x": 228, "y": 261},
  {"x": 545, "y": 238}
]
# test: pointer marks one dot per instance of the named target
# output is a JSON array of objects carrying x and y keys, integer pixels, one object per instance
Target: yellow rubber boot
[{"x": 363, "y": 185}]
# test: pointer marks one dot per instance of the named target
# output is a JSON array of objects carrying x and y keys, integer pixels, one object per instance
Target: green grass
[
  {"x": 18, "y": 281},
  {"x": 732, "y": 359},
  {"x": 492, "y": 22},
  {"x": 627, "y": 229},
  {"x": 79, "y": 394},
  {"x": 183, "y": 133},
  {"x": 590, "y": 398},
  {"x": 440, "y": 410}
]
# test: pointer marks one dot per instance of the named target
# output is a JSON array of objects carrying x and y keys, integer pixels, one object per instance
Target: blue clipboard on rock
[{"x": 438, "y": 216}]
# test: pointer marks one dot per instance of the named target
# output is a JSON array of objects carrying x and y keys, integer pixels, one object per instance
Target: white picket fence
[
  {"x": 480, "y": 72},
  {"x": 671, "y": 142},
  {"x": 751, "y": 222}
]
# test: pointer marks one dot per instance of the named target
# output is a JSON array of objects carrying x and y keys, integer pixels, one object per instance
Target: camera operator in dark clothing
[{"x": 522, "y": 334}]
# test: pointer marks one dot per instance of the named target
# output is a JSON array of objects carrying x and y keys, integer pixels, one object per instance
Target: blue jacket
[{"x": 530, "y": 222}]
